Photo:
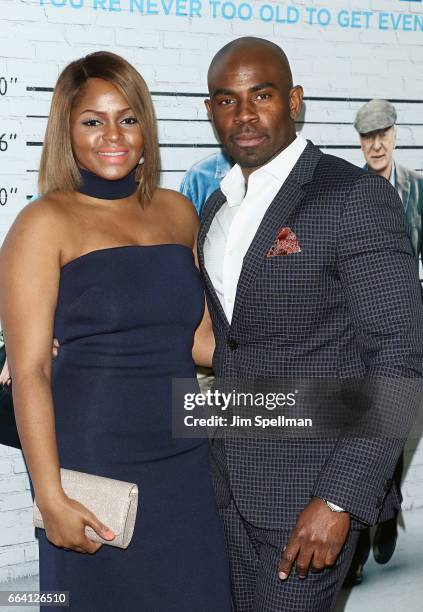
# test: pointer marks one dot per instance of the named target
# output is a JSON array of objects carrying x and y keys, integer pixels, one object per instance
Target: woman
[{"x": 104, "y": 262}]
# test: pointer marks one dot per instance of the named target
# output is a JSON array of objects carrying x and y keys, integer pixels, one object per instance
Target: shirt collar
[
  {"x": 277, "y": 166},
  {"x": 393, "y": 177},
  {"x": 233, "y": 185}
]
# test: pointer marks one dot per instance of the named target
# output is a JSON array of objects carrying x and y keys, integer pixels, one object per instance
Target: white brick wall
[
  {"x": 172, "y": 52},
  {"x": 18, "y": 547}
]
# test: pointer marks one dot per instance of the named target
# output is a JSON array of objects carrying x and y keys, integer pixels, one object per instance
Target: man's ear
[
  {"x": 207, "y": 104},
  {"x": 295, "y": 101}
]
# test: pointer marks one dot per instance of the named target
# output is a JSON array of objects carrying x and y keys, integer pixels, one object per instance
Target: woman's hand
[{"x": 65, "y": 521}]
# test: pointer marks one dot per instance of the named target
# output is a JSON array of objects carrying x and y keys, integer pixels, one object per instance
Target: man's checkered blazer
[{"x": 347, "y": 306}]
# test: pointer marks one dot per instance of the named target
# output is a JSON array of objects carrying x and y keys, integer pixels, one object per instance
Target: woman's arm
[
  {"x": 5, "y": 377},
  {"x": 204, "y": 342},
  {"x": 29, "y": 281},
  {"x": 185, "y": 225}
]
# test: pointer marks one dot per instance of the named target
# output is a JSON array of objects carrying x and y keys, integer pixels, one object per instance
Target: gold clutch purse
[{"x": 114, "y": 502}]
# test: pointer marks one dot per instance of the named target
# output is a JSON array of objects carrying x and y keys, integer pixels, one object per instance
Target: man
[
  {"x": 302, "y": 280},
  {"x": 375, "y": 122},
  {"x": 204, "y": 177}
]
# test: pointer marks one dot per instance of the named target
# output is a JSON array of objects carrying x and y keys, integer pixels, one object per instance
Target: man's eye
[
  {"x": 130, "y": 120},
  {"x": 226, "y": 101},
  {"x": 91, "y": 122},
  {"x": 263, "y": 96}
]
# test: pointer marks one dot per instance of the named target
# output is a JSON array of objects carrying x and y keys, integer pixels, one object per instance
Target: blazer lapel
[
  {"x": 284, "y": 203},
  {"x": 213, "y": 205}
]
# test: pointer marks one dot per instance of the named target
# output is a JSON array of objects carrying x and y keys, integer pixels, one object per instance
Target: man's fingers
[
  {"x": 318, "y": 562},
  {"x": 55, "y": 348},
  {"x": 332, "y": 555},
  {"x": 289, "y": 555},
  {"x": 303, "y": 561},
  {"x": 5, "y": 374}
]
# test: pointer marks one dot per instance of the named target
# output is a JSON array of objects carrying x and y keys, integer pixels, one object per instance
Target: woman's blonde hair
[{"x": 58, "y": 168}]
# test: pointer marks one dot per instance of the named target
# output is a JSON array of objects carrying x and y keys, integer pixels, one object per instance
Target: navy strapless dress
[{"x": 125, "y": 321}]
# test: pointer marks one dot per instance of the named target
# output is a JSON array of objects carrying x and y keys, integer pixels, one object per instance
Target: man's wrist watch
[{"x": 333, "y": 507}]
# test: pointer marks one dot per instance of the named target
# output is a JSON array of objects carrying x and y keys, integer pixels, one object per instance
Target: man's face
[
  {"x": 252, "y": 106},
  {"x": 378, "y": 148}
]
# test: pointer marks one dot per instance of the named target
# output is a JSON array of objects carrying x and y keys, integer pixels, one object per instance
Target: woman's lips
[{"x": 113, "y": 157}]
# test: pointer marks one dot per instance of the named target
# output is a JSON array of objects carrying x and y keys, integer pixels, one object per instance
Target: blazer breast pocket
[
  {"x": 294, "y": 274},
  {"x": 289, "y": 296}
]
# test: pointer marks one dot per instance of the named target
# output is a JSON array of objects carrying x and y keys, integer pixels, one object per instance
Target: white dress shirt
[{"x": 237, "y": 221}]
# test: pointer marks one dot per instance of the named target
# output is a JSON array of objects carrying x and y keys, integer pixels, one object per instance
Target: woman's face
[{"x": 106, "y": 137}]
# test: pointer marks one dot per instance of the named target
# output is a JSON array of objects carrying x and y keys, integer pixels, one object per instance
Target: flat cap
[{"x": 375, "y": 115}]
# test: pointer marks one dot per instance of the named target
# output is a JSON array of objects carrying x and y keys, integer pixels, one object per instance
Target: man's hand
[
  {"x": 5, "y": 375},
  {"x": 316, "y": 540}
]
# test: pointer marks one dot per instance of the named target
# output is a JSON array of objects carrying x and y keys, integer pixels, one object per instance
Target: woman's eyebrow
[{"x": 99, "y": 112}]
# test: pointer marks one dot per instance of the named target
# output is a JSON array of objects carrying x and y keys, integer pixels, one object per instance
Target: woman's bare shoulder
[
  {"x": 40, "y": 220},
  {"x": 50, "y": 208}
]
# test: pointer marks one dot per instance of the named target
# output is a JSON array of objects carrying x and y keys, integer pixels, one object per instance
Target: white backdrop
[{"x": 343, "y": 52}]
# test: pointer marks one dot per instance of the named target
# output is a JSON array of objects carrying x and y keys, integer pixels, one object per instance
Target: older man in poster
[{"x": 376, "y": 124}]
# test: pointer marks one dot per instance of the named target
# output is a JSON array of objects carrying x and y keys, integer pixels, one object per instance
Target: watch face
[{"x": 334, "y": 507}]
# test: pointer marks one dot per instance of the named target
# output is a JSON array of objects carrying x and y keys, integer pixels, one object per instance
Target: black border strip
[
  {"x": 181, "y": 171},
  {"x": 208, "y": 121},
  {"x": 187, "y": 94},
  {"x": 171, "y": 145}
]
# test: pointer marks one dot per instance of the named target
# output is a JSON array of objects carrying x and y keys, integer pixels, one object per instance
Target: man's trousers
[{"x": 254, "y": 555}]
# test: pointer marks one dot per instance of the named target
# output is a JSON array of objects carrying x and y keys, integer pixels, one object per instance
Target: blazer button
[
  {"x": 232, "y": 343},
  {"x": 387, "y": 485}
]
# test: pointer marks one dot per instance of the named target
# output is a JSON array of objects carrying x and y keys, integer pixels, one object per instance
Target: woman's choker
[{"x": 105, "y": 189}]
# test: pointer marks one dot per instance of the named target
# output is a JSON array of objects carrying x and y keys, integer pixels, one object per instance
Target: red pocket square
[{"x": 286, "y": 243}]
